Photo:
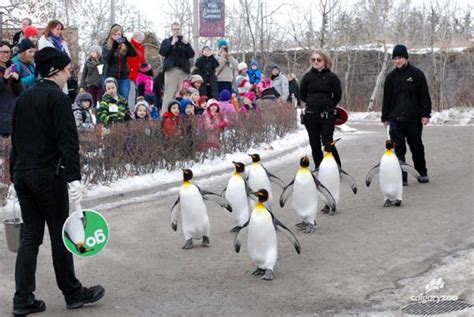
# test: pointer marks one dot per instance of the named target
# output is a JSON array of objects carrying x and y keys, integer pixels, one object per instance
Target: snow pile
[
  {"x": 452, "y": 116},
  {"x": 462, "y": 116}
]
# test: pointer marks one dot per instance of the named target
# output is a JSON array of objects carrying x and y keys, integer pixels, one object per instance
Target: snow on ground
[{"x": 453, "y": 116}]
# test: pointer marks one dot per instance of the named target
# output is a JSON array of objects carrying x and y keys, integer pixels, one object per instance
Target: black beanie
[
  {"x": 400, "y": 51},
  {"x": 49, "y": 61},
  {"x": 25, "y": 45},
  {"x": 171, "y": 103}
]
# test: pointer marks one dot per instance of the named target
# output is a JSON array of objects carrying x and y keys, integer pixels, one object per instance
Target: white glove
[{"x": 75, "y": 191}]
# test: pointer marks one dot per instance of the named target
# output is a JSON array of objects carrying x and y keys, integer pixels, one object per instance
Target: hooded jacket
[
  {"x": 82, "y": 116},
  {"x": 280, "y": 83},
  {"x": 135, "y": 61},
  {"x": 90, "y": 73},
  {"x": 111, "y": 110}
]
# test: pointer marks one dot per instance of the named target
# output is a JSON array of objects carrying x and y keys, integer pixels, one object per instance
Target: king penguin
[
  {"x": 262, "y": 240},
  {"x": 193, "y": 211},
  {"x": 305, "y": 196},
  {"x": 236, "y": 192},
  {"x": 390, "y": 171},
  {"x": 74, "y": 230},
  {"x": 330, "y": 174},
  {"x": 259, "y": 177}
]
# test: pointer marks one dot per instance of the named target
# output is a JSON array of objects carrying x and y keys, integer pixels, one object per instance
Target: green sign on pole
[{"x": 85, "y": 233}]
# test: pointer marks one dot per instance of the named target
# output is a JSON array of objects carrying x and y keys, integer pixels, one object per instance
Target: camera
[
  {"x": 13, "y": 68},
  {"x": 225, "y": 49},
  {"x": 180, "y": 37},
  {"x": 120, "y": 40}
]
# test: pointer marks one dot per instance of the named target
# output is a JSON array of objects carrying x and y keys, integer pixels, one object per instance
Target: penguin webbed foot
[
  {"x": 268, "y": 276},
  {"x": 302, "y": 224},
  {"x": 188, "y": 245},
  {"x": 332, "y": 211},
  {"x": 397, "y": 203},
  {"x": 236, "y": 229},
  {"x": 325, "y": 209},
  {"x": 258, "y": 272},
  {"x": 205, "y": 241},
  {"x": 388, "y": 203},
  {"x": 309, "y": 228}
]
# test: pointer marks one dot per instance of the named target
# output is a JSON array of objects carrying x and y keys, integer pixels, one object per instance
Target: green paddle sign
[{"x": 85, "y": 233}]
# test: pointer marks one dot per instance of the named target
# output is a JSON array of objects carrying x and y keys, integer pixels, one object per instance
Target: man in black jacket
[
  {"x": 406, "y": 108},
  {"x": 177, "y": 51},
  {"x": 18, "y": 36},
  {"x": 44, "y": 160}
]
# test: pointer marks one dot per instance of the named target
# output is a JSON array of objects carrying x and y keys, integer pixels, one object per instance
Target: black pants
[
  {"x": 409, "y": 132},
  {"x": 221, "y": 85},
  {"x": 320, "y": 131},
  {"x": 43, "y": 198}
]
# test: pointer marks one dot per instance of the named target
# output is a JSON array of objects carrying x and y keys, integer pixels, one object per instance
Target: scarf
[{"x": 57, "y": 42}]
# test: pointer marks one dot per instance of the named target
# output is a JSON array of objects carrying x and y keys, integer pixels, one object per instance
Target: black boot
[{"x": 36, "y": 307}]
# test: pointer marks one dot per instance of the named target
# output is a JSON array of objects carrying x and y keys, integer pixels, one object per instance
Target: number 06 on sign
[{"x": 85, "y": 233}]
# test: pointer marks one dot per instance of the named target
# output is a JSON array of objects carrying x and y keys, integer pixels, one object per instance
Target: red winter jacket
[
  {"x": 135, "y": 62},
  {"x": 170, "y": 123}
]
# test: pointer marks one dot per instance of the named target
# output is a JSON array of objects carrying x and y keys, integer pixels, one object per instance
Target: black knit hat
[
  {"x": 171, "y": 103},
  {"x": 25, "y": 45},
  {"x": 49, "y": 61},
  {"x": 400, "y": 51}
]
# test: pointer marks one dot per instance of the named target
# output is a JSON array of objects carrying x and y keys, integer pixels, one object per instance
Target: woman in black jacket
[
  {"x": 321, "y": 90},
  {"x": 115, "y": 52}
]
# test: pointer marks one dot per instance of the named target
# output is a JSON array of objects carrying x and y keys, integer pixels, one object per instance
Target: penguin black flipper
[
  {"x": 286, "y": 232},
  {"x": 409, "y": 169},
  {"x": 349, "y": 179},
  {"x": 325, "y": 192},
  {"x": 174, "y": 215},
  {"x": 223, "y": 191},
  {"x": 237, "y": 243},
  {"x": 370, "y": 175},
  {"x": 275, "y": 179},
  {"x": 286, "y": 194},
  {"x": 216, "y": 198}
]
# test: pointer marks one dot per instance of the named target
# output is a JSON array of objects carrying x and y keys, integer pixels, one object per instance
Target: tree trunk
[{"x": 378, "y": 82}]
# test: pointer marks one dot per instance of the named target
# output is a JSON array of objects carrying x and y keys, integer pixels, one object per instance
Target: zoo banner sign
[{"x": 211, "y": 18}]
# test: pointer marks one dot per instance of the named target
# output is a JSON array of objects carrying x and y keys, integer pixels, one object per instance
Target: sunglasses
[{"x": 319, "y": 60}]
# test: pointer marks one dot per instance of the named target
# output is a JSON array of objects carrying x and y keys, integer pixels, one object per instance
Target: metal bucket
[{"x": 13, "y": 229}]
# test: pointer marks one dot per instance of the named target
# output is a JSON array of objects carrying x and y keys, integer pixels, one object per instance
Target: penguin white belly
[
  {"x": 258, "y": 179},
  {"x": 305, "y": 196},
  {"x": 75, "y": 228},
  {"x": 262, "y": 240},
  {"x": 193, "y": 213},
  {"x": 329, "y": 176},
  {"x": 236, "y": 194},
  {"x": 390, "y": 178}
]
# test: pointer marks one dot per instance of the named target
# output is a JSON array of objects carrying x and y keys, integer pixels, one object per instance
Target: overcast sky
[{"x": 156, "y": 10}]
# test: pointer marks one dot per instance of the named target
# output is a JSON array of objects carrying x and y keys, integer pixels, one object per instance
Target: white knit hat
[{"x": 242, "y": 66}]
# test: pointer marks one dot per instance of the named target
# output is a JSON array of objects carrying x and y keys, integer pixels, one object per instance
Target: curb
[{"x": 117, "y": 197}]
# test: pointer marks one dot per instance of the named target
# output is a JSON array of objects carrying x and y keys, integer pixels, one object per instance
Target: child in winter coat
[
  {"x": 207, "y": 65},
  {"x": 81, "y": 110},
  {"x": 242, "y": 80},
  {"x": 226, "y": 107},
  {"x": 212, "y": 123},
  {"x": 171, "y": 121},
  {"x": 142, "y": 110},
  {"x": 202, "y": 105},
  {"x": 113, "y": 108},
  {"x": 248, "y": 104},
  {"x": 144, "y": 83},
  {"x": 254, "y": 73}
]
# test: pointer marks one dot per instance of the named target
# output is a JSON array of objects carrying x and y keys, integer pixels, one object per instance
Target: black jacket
[
  {"x": 294, "y": 89},
  {"x": 321, "y": 91},
  {"x": 10, "y": 89},
  {"x": 207, "y": 68},
  {"x": 44, "y": 132},
  {"x": 406, "y": 96},
  {"x": 177, "y": 55},
  {"x": 116, "y": 65}
]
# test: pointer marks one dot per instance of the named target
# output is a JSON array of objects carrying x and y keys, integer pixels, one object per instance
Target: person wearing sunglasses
[{"x": 321, "y": 91}]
